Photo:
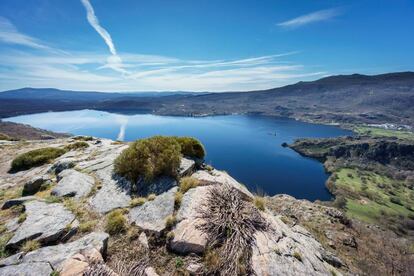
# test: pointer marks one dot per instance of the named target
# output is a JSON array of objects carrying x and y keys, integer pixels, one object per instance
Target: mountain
[{"x": 385, "y": 98}]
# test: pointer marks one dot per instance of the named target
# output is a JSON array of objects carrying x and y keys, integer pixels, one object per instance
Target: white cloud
[
  {"x": 317, "y": 16},
  {"x": 10, "y": 35}
]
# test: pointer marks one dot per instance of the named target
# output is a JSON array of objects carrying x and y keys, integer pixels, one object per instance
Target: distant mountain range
[{"x": 385, "y": 98}]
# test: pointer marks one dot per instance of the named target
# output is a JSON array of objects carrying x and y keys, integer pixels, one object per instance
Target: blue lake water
[{"x": 247, "y": 147}]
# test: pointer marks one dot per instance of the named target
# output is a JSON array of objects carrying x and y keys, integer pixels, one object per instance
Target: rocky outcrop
[
  {"x": 63, "y": 164},
  {"x": 45, "y": 223},
  {"x": 187, "y": 166},
  {"x": 56, "y": 255},
  {"x": 27, "y": 269},
  {"x": 187, "y": 238},
  {"x": 73, "y": 184},
  {"x": 152, "y": 215},
  {"x": 215, "y": 176},
  {"x": 113, "y": 194},
  {"x": 287, "y": 251},
  {"x": 157, "y": 186}
]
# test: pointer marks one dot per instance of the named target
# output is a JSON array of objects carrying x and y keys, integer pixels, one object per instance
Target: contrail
[{"x": 93, "y": 20}]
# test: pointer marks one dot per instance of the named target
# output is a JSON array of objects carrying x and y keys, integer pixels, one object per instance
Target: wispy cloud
[
  {"x": 114, "y": 61},
  {"x": 9, "y": 34},
  {"x": 313, "y": 17}
]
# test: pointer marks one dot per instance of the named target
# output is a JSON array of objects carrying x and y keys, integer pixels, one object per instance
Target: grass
[
  {"x": 297, "y": 256},
  {"x": 178, "y": 198},
  {"x": 87, "y": 226},
  {"x": 371, "y": 196},
  {"x": 35, "y": 158},
  {"x": 5, "y": 137},
  {"x": 22, "y": 217},
  {"x": 30, "y": 245},
  {"x": 170, "y": 221},
  {"x": 188, "y": 182},
  {"x": 380, "y": 132},
  {"x": 151, "y": 197},
  {"x": 77, "y": 146},
  {"x": 116, "y": 222},
  {"x": 4, "y": 238},
  {"x": 259, "y": 202},
  {"x": 138, "y": 201},
  {"x": 87, "y": 219},
  {"x": 83, "y": 138}
]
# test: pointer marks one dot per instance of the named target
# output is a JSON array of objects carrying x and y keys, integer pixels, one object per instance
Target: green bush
[
  {"x": 191, "y": 147},
  {"x": 35, "y": 158},
  {"x": 77, "y": 145},
  {"x": 83, "y": 138},
  {"x": 115, "y": 222},
  {"x": 149, "y": 158}
]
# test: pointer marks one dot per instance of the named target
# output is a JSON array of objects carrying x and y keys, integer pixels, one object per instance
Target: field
[{"x": 380, "y": 132}]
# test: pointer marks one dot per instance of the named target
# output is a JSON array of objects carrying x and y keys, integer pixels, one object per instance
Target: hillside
[{"x": 386, "y": 98}]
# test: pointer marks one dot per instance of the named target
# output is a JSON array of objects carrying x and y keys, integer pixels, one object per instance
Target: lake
[{"x": 247, "y": 147}]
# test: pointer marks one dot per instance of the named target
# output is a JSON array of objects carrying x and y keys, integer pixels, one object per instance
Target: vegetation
[
  {"x": 22, "y": 217},
  {"x": 170, "y": 221},
  {"x": 30, "y": 245},
  {"x": 191, "y": 147},
  {"x": 259, "y": 202},
  {"x": 179, "y": 262},
  {"x": 77, "y": 146},
  {"x": 151, "y": 197},
  {"x": 381, "y": 132},
  {"x": 83, "y": 138},
  {"x": 4, "y": 238},
  {"x": 178, "y": 199},
  {"x": 188, "y": 182},
  {"x": 146, "y": 159},
  {"x": 87, "y": 226},
  {"x": 297, "y": 256},
  {"x": 5, "y": 137},
  {"x": 138, "y": 201},
  {"x": 35, "y": 158},
  {"x": 116, "y": 222}
]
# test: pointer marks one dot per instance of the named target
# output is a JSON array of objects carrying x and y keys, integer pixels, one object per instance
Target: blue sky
[{"x": 134, "y": 45}]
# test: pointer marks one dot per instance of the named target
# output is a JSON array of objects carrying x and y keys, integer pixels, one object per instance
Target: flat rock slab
[
  {"x": 73, "y": 183},
  {"x": 27, "y": 269},
  {"x": 186, "y": 166},
  {"x": 63, "y": 164},
  {"x": 113, "y": 194},
  {"x": 220, "y": 177},
  {"x": 57, "y": 254},
  {"x": 45, "y": 223},
  {"x": 16, "y": 201},
  {"x": 152, "y": 215},
  {"x": 287, "y": 251}
]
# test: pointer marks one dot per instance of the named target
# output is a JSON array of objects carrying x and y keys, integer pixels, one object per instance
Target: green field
[
  {"x": 380, "y": 132},
  {"x": 370, "y": 195}
]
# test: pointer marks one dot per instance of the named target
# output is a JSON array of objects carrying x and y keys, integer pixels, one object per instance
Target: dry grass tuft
[
  {"x": 186, "y": 183},
  {"x": 137, "y": 201},
  {"x": 259, "y": 202},
  {"x": 177, "y": 199},
  {"x": 30, "y": 246},
  {"x": 116, "y": 222},
  {"x": 151, "y": 197},
  {"x": 230, "y": 223}
]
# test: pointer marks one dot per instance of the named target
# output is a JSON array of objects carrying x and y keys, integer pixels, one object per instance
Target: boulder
[
  {"x": 27, "y": 269},
  {"x": 220, "y": 177},
  {"x": 187, "y": 238},
  {"x": 149, "y": 271},
  {"x": 16, "y": 201},
  {"x": 187, "y": 166},
  {"x": 195, "y": 269},
  {"x": 73, "y": 183},
  {"x": 57, "y": 254},
  {"x": 63, "y": 164},
  {"x": 287, "y": 251},
  {"x": 45, "y": 222},
  {"x": 113, "y": 194},
  {"x": 80, "y": 262},
  {"x": 33, "y": 186},
  {"x": 152, "y": 215},
  {"x": 12, "y": 225},
  {"x": 157, "y": 186},
  {"x": 143, "y": 240}
]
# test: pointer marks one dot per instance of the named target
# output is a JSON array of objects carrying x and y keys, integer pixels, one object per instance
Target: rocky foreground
[{"x": 53, "y": 221}]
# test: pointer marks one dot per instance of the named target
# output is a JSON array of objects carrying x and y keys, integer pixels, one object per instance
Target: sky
[{"x": 199, "y": 45}]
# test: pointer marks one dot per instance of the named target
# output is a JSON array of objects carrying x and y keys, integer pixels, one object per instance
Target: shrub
[
  {"x": 30, "y": 246},
  {"x": 87, "y": 226},
  {"x": 83, "y": 138},
  {"x": 340, "y": 202},
  {"x": 179, "y": 262},
  {"x": 22, "y": 217},
  {"x": 77, "y": 145},
  {"x": 259, "y": 202},
  {"x": 115, "y": 222},
  {"x": 191, "y": 147},
  {"x": 297, "y": 256},
  {"x": 151, "y": 197},
  {"x": 188, "y": 182},
  {"x": 149, "y": 158},
  {"x": 4, "y": 137},
  {"x": 138, "y": 201},
  {"x": 396, "y": 200},
  {"x": 170, "y": 221},
  {"x": 35, "y": 158},
  {"x": 177, "y": 199}
]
